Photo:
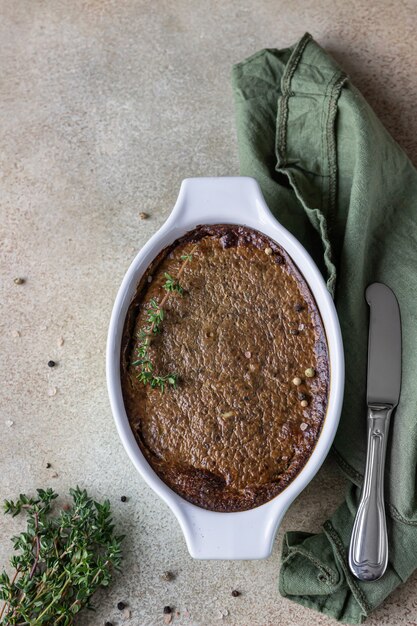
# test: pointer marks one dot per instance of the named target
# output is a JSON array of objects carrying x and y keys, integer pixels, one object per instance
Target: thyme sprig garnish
[
  {"x": 154, "y": 317},
  {"x": 61, "y": 559}
]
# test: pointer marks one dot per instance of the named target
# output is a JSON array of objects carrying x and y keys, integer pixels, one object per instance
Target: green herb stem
[
  {"x": 61, "y": 560},
  {"x": 53, "y": 601},
  {"x": 38, "y": 546},
  {"x": 154, "y": 317}
]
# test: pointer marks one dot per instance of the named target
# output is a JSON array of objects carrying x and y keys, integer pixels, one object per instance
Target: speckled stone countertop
[{"x": 105, "y": 107}]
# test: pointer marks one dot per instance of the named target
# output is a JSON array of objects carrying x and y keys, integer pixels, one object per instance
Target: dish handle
[
  {"x": 230, "y": 536},
  {"x": 209, "y": 196}
]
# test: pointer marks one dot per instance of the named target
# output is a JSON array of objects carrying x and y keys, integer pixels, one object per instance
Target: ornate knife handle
[{"x": 368, "y": 552}]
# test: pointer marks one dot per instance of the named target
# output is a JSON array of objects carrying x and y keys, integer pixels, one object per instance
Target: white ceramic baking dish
[{"x": 233, "y": 200}]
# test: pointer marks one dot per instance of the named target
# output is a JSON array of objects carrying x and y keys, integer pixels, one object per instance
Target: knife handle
[{"x": 368, "y": 551}]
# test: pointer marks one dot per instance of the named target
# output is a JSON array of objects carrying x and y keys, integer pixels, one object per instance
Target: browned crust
[{"x": 200, "y": 485}]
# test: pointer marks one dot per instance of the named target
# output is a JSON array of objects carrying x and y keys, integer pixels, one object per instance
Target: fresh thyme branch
[
  {"x": 61, "y": 559},
  {"x": 154, "y": 318}
]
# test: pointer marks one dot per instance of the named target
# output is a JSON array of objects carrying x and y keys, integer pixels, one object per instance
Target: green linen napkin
[{"x": 336, "y": 179}]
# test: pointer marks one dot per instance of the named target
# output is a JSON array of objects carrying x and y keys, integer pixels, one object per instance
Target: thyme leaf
[{"x": 172, "y": 284}]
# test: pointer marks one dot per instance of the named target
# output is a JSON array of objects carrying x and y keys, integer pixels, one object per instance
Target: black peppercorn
[
  {"x": 123, "y": 499},
  {"x": 302, "y": 396},
  {"x": 108, "y": 624},
  {"x": 298, "y": 307},
  {"x": 235, "y": 593},
  {"x": 167, "y": 610},
  {"x": 48, "y": 465},
  {"x": 121, "y": 606},
  {"x": 51, "y": 363}
]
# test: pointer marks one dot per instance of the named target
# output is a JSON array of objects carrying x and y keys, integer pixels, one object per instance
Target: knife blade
[
  {"x": 368, "y": 550},
  {"x": 384, "y": 346}
]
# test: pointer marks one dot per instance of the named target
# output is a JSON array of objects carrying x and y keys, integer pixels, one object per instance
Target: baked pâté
[{"x": 242, "y": 355}]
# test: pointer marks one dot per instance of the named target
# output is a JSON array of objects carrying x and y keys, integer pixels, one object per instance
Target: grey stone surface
[{"x": 106, "y": 106}]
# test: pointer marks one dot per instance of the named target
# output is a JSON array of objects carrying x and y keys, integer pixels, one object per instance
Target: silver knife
[{"x": 368, "y": 552}]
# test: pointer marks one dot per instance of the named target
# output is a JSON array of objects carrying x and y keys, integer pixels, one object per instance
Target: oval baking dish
[{"x": 245, "y": 534}]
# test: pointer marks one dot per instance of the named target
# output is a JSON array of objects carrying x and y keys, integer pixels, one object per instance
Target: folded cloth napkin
[{"x": 336, "y": 179}]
